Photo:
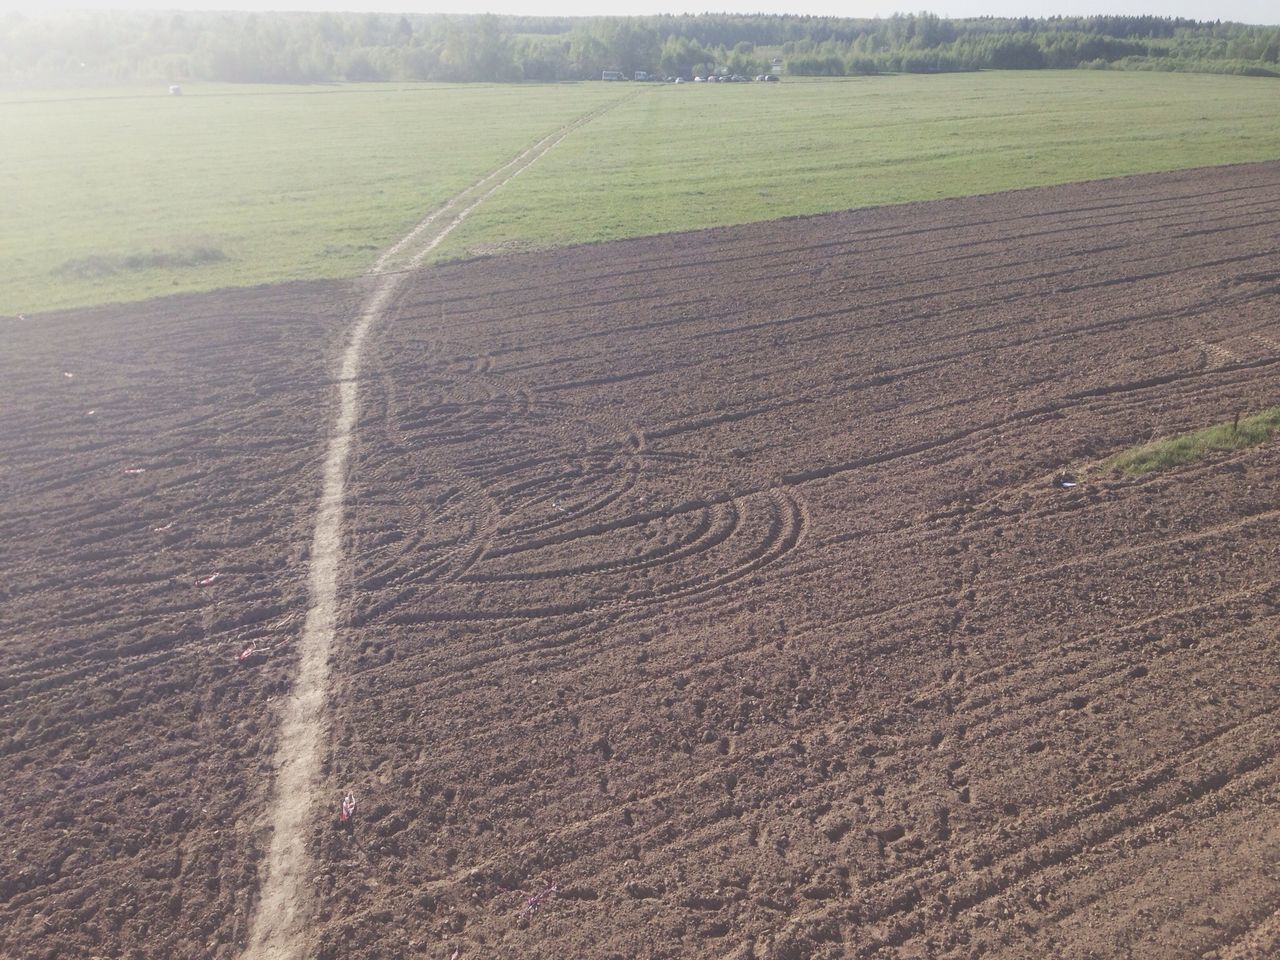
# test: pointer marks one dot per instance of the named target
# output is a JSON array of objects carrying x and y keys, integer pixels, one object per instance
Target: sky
[{"x": 1245, "y": 11}]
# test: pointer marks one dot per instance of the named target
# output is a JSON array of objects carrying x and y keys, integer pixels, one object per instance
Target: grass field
[
  {"x": 129, "y": 194},
  {"x": 126, "y": 196},
  {"x": 698, "y": 156}
]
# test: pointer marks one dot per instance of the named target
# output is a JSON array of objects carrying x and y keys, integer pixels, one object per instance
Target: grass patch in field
[{"x": 1163, "y": 454}]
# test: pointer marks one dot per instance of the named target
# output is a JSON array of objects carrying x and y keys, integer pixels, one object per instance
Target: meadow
[
  {"x": 697, "y": 156},
  {"x": 127, "y": 194},
  {"x": 130, "y": 194}
]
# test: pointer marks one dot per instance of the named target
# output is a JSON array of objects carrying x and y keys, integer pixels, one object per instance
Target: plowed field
[
  {"x": 158, "y": 470},
  {"x": 721, "y": 580}
]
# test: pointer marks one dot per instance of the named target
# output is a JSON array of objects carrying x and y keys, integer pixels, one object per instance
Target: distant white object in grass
[{"x": 175, "y": 90}]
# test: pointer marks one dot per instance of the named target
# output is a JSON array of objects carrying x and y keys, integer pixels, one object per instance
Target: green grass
[
  {"x": 1163, "y": 454},
  {"x": 698, "y": 156},
  {"x": 131, "y": 194},
  {"x": 125, "y": 194}
]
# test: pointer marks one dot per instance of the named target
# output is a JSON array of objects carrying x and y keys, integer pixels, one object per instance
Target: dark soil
[{"x": 723, "y": 580}]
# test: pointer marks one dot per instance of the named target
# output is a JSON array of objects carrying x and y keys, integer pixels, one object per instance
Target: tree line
[{"x": 113, "y": 47}]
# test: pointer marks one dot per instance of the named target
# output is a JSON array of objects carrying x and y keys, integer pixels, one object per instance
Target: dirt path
[{"x": 277, "y": 930}]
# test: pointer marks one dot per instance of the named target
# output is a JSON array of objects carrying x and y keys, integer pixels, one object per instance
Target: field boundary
[{"x": 277, "y": 929}]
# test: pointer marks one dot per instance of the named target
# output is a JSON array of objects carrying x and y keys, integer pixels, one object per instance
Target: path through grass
[{"x": 137, "y": 194}]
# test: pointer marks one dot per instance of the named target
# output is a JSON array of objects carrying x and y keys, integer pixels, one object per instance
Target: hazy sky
[{"x": 1246, "y": 11}]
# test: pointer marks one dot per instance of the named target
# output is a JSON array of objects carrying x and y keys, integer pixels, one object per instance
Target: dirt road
[{"x": 278, "y": 931}]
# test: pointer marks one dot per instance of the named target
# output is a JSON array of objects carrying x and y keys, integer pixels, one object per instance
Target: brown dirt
[
  {"x": 134, "y": 749},
  {"x": 719, "y": 578}
]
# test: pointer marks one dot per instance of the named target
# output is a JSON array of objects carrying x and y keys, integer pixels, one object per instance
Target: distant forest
[{"x": 96, "y": 48}]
